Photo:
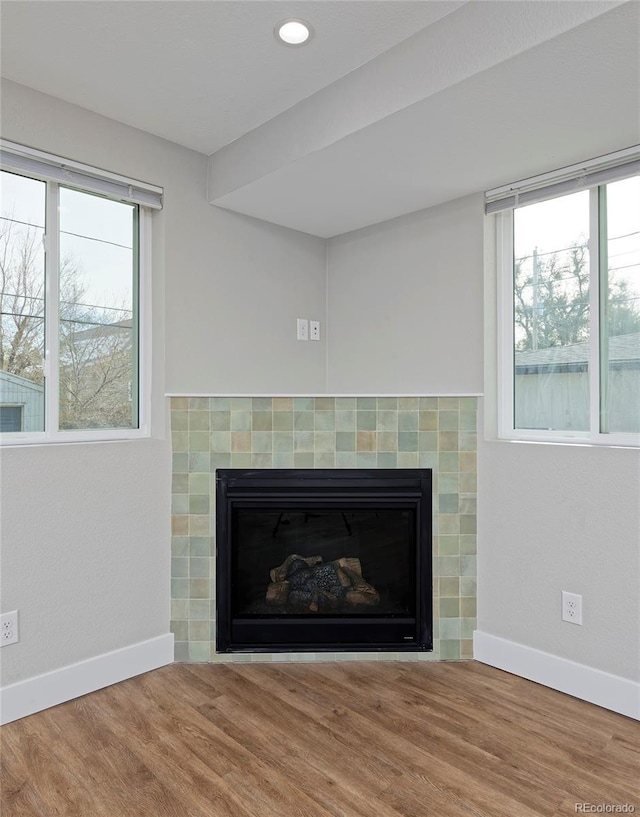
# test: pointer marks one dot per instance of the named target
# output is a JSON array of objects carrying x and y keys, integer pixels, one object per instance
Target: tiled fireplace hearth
[{"x": 323, "y": 432}]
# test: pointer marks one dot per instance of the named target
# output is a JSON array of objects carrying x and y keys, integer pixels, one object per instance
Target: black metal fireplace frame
[{"x": 405, "y": 488}]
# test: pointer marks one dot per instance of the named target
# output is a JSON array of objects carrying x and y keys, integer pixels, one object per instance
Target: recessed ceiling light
[{"x": 293, "y": 32}]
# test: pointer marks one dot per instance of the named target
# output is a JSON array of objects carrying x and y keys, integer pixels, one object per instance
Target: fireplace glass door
[{"x": 310, "y": 561}]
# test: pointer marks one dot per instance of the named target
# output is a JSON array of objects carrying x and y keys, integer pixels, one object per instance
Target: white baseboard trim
[
  {"x": 52, "y": 688},
  {"x": 593, "y": 685}
]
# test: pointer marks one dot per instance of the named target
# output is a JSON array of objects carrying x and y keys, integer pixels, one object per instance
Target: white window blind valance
[
  {"x": 35, "y": 163},
  {"x": 609, "y": 168}
]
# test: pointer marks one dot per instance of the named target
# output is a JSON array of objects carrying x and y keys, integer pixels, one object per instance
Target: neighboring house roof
[
  {"x": 103, "y": 330},
  {"x": 624, "y": 353},
  {"x": 21, "y": 382}
]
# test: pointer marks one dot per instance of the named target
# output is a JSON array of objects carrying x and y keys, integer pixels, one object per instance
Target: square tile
[
  {"x": 282, "y": 404},
  {"x": 199, "y": 568},
  {"x": 179, "y": 568},
  {"x": 261, "y": 460},
  {"x": 448, "y": 503},
  {"x": 366, "y": 421},
  {"x": 324, "y": 441},
  {"x": 179, "y": 420},
  {"x": 303, "y": 421},
  {"x": 199, "y": 503},
  {"x": 180, "y": 462},
  {"x": 283, "y": 441},
  {"x": 325, "y": 421},
  {"x": 387, "y": 459},
  {"x": 366, "y": 440},
  {"x": 179, "y": 549},
  {"x": 449, "y": 650},
  {"x": 200, "y": 546},
  {"x": 283, "y": 421},
  {"x": 240, "y": 442},
  {"x": 179, "y": 503},
  {"x": 448, "y": 441},
  {"x": 261, "y": 442},
  {"x": 261, "y": 404},
  {"x": 179, "y": 609},
  {"x": 283, "y": 459},
  {"x": 387, "y": 421},
  {"x": 345, "y": 441},
  {"x": 261, "y": 421},
  {"x": 220, "y": 420},
  {"x": 220, "y": 441},
  {"x": 387, "y": 441},
  {"x": 303, "y": 441},
  {"x": 408, "y": 420},
  {"x": 324, "y": 459},
  {"x": 199, "y": 610},
  {"x": 303, "y": 459},
  {"x": 407, "y": 459},
  {"x": 448, "y": 420},
  {"x": 407, "y": 441}
]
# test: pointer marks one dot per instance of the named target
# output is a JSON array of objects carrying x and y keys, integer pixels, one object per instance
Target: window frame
[
  {"x": 506, "y": 340},
  {"x": 52, "y": 434}
]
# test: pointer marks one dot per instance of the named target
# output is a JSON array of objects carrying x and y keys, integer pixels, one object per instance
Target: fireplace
[{"x": 323, "y": 560}]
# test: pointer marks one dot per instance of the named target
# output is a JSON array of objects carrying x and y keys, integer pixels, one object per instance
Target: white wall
[
  {"x": 561, "y": 517},
  {"x": 234, "y": 292},
  {"x": 85, "y": 528},
  {"x": 84, "y": 550},
  {"x": 405, "y": 304}
]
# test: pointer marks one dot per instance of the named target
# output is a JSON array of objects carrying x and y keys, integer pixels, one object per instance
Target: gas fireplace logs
[{"x": 305, "y": 582}]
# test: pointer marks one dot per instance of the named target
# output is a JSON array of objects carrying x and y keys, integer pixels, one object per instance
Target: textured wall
[{"x": 323, "y": 432}]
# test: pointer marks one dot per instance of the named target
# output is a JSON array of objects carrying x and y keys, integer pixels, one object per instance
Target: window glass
[
  {"x": 551, "y": 314},
  {"x": 98, "y": 297},
  {"x": 10, "y": 418},
  {"x": 620, "y": 324},
  {"x": 22, "y": 294}
]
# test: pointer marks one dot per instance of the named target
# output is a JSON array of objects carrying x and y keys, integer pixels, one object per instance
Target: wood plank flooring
[{"x": 449, "y": 739}]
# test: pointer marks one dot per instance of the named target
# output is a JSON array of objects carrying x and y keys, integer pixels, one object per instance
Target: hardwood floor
[{"x": 455, "y": 739}]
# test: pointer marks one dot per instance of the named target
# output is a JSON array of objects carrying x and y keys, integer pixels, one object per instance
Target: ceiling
[
  {"x": 197, "y": 73},
  {"x": 392, "y": 107}
]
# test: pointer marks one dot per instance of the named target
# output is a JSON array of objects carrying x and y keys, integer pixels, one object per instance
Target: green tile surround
[{"x": 323, "y": 432}]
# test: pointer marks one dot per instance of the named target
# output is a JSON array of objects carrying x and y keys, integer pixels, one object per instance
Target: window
[
  {"x": 10, "y": 418},
  {"x": 71, "y": 262},
  {"x": 569, "y": 334}
]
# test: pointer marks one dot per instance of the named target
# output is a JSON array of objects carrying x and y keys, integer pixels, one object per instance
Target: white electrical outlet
[
  {"x": 314, "y": 330},
  {"x": 303, "y": 329},
  {"x": 571, "y": 607},
  {"x": 9, "y": 628}
]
